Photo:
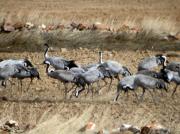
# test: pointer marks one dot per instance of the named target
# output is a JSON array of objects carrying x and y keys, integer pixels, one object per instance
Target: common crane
[
  {"x": 57, "y": 62},
  {"x": 64, "y": 76},
  {"x": 171, "y": 76},
  {"x": 88, "y": 78},
  {"x": 139, "y": 80},
  {"x": 151, "y": 62},
  {"x": 22, "y": 62},
  {"x": 173, "y": 66},
  {"x": 27, "y": 73},
  {"x": 77, "y": 70},
  {"x": 115, "y": 69},
  {"x": 8, "y": 71},
  {"x": 154, "y": 74}
]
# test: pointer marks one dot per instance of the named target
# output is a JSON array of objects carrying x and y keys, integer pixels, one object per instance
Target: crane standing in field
[
  {"x": 57, "y": 62},
  {"x": 64, "y": 76},
  {"x": 89, "y": 77},
  {"x": 139, "y": 80},
  {"x": 22, "y": 62},
  {"x": 172, "y": 76},
  {"x": 7, "y": 71},
  {"x": 151, "y": 62},
  {"x": 26, "y": 73},
  {"x": 115, "y": 69}
]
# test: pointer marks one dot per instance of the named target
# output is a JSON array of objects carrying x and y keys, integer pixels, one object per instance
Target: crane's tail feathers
[
  {"x": 126, "y": 71},
  {"x": 29, "y": 64},
  {"x": 72, "y": 64}
]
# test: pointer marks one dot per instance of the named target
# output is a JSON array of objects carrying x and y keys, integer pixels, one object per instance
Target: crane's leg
[
  {"x": 154, "y": 99},
  {"x": 136, "y": 94},
  {"x": 126, "y": 92},
  {"x": 174, "y": 90},
  {"x": 117, "y": 77},
  {"x": 74, "y": 85},
  {"x": 117, "y": 93},
  {"x": 59, "y": 88},
  {"x": 21, "y": 84},
  {"x": 162, "y": 93},
  {"x": 111, "y": 79},
  {"x": 74, "y": 92},
  {"x": 18, "y": 84},
  {"x": 142, "y": 95},
  {"x": 79, "y": 91},
  {"x": 11, "y": 83},
  {"x": 105, "y": 82},
  {"x": 29, "y": 84},
  {"x": 92, "y": 92},
  {"x": 98, "y": 87},
  {"x": 65, "y": 90},
  {"x": 88, "y": 87}
]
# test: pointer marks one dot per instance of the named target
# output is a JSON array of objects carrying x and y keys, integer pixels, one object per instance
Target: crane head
[{"x": 46, "y": 45}]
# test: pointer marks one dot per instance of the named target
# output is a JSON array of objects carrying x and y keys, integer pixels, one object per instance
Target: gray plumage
[
  {"x": 139, "y": 80},
  {"x": 58, "y": 62},
  {"x": 88, "y": 78},
  {"x": 152, "y": 62},
  {"x": 27, "y": 73},
  {"x": 173, "y": 66},
  {"x": 151, "y": 73},
  {"x": 77, "y": 70},
  {"x": 112, "y": 70},
  {"x": 64, "y": 76},
  {"x": 11, "y": 66},
  {"x": 22, "y": 62},
  {"x": 91, "y": 76},
  {"x": 8, "y": 71},
  {"x": 116, "y": 68},
  {"x": 172, "y": 76}
]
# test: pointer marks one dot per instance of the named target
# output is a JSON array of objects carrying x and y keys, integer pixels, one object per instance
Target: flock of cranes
[
  {"x": 19, "y": 69},
  {"x": 67, "y": 71}
]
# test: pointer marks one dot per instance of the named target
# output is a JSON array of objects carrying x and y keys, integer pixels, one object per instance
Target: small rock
[
  {"x": 178, "y": 36},
  {"x": 8, "y": 28},
  {"x": 63, "y": 50},
  {"x": 11, "y": 123},
  {"x": 90, "y": 126},
  {"x": 37, "y": 89},
  {"x": 103, "y": 131},
  {"x": 154, "y": 128},
  {"x": 80, "y": 48}
]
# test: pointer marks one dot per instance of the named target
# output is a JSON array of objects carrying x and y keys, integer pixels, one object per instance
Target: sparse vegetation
[{"x": 156, "y": 19}]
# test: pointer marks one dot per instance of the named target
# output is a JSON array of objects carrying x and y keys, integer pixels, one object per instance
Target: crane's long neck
[
  {"x": 46, "y": 52},
  {"x": 100, "y": 58}
]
